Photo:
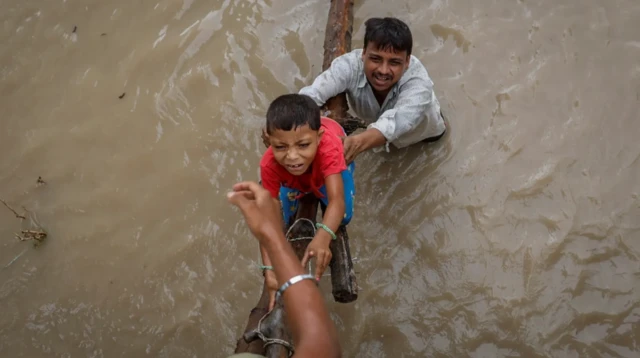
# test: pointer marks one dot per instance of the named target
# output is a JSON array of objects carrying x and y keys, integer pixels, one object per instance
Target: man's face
[
  {"x": 295, "y": 149},
  {"x": 383, "y": 68}
]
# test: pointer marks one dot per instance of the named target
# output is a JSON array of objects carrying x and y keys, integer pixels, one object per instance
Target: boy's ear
[
  {"x": 265, "y": 138},
  {"x": 320, "y": 132}
]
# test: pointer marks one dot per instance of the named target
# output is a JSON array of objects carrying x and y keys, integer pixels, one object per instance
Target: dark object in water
[
  {"x": 103, "y": 34},
  {"x": 74, "y": 29},
  {"x": 40, "y": 181},
  {"x": 122, "y": 95}
]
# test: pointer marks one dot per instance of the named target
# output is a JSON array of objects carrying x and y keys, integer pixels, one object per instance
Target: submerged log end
[{"x": 343, "y": 277}]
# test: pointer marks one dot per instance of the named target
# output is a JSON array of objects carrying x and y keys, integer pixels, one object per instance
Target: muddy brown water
[{"x": 517, "y": 236}]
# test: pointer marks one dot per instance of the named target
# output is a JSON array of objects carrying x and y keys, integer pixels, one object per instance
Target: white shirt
[{"x": 409, "y": 114}]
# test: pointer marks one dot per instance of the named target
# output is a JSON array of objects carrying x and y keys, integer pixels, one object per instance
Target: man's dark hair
[
  {"x": 388, "y": 33},
  {"x": 291, "y": 111}
]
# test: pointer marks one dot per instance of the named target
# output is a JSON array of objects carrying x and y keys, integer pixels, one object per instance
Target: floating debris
[
  {"x": 122, "y": 95},
  {"x": 36, "y": 235},
  {"x": 74, "y": 29}
]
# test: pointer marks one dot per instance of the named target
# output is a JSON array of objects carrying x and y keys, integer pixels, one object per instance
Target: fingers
[
  {"x": 307, "y": 256},
  {"x": 324, "y": 257},
  {"x": 251, "y": 186},
  {"x": 272, "y": 300},
  {"x": 236, "y": 197}
]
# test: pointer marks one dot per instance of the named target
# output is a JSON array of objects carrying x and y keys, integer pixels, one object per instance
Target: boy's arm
[
  {"x": 269, "y": 180},
  {"x": 332, "y": 218},
  {"x": 336, "y": 79}
]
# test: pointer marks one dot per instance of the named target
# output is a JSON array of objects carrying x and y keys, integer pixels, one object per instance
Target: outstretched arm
[{"x": 313, "y": 331}]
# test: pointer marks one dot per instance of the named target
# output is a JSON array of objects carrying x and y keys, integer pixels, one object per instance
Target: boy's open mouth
[{"x": 295, "y": 167}]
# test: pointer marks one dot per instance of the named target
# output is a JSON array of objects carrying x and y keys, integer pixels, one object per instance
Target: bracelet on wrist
[
  {"x": 326, "y": 228},
  {"x": 292, "y": 281}
]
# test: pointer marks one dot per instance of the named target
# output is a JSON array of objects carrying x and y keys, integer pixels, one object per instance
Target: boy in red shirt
[{"x": 306, "y": 156}]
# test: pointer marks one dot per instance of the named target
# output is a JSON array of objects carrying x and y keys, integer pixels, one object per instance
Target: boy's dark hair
[
  {"x": 388, "y": 33},
  {"x": 291, "y": 111}
]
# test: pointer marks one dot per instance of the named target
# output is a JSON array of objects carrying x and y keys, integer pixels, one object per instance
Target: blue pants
[{"x": 288, "y": 197}]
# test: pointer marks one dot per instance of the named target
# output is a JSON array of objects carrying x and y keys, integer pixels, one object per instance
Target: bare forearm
[
  {"x": 332, "y": 217},
  {"x": 371, "y": 138},
  {"x": 358, "y": 143},
  {"x": 313, "y": 331}
]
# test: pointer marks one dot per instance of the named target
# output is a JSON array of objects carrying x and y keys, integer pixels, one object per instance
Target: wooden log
[
  {"x": 343, "y": 277},
  {"x": 337, "y": 42}
]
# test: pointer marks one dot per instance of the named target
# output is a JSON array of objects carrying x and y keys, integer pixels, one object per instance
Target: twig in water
[
  {"x": 10, "y": 208},
  {"x": 40, "y": 181},
  {"x": 16, "y": 258}
]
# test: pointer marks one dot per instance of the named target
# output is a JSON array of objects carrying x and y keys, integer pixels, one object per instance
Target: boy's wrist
[{"x": 323, "y": 237}]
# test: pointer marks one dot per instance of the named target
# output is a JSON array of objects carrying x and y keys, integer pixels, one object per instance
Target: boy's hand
[
  {"x": 271, "y": 283},
  {"x": 318, "y": 248}
]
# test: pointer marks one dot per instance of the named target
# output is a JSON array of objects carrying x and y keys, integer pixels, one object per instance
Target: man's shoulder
[
  {"x": 353, "y": 59},
  {"x": 415, "y": 75},
  {"x": 416, "y": 69}
]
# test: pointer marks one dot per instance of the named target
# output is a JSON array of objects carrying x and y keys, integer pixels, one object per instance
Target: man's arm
[
  {"x": 314, "y": 334},
  {"x": 335, "y": 80},
  {"x": 358, "y": 143},
  {"x": 414, "y": 98}
]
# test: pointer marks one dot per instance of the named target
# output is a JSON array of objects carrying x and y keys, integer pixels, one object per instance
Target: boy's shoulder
[
  {"x": 331, "y": 143},
  {"x": 332, "y": 126},
  {"x": 268, "y": 160}
]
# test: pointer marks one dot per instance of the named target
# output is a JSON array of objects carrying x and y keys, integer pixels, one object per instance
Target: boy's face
[
  {"x": 383, "y": 68},
  {"x": 295, "y": 149}
]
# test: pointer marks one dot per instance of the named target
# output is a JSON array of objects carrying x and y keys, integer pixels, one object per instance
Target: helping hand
[
  {"x": 352, "y": 148},
  {"x": 318, "y": 248},
  {"x": 260, "y": 210}
]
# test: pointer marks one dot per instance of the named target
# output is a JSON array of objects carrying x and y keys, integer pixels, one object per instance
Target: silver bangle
[{"x": 292, "y": 281}]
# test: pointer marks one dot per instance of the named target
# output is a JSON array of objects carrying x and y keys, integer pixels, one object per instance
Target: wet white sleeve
[
  {"x": 336, "y": 79},
  {"x": 415, "y": 96}
]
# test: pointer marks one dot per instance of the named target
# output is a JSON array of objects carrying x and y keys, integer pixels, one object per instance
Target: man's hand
[
  {"x": 352, "y": 147},
  {"x": 260, "y": 210},
  {"x": 271, "y": 283},
  {"x": 358, "y": 143},
  {"x": 318, "y": 248}
]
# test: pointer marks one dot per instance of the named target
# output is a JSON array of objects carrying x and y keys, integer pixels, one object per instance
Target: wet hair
[
  {"x": 291, "y": 111},
  {"x": 388, "y": 33}
]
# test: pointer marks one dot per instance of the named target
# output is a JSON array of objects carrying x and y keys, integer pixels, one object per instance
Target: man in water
[{"x": 387, "y": 87}]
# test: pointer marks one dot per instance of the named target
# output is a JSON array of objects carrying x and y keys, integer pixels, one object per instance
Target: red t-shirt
[{"x": 329, "y": 160}]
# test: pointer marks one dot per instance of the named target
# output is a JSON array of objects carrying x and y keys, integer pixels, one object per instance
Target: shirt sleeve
[
  {"x": 269, "y": 180},
  {"x": 415, "y": 96},
  {"x": 336, "y": 79}
]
